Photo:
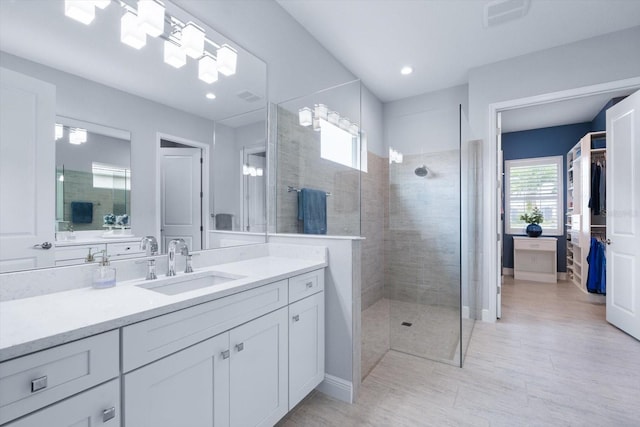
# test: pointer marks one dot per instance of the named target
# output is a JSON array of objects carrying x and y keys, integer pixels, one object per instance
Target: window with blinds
[{"x": 530, "y": 183}]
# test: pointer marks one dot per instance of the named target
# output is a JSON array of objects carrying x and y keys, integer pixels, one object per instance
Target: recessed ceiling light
[
  {"x": 210, "y": 95},
  {"x": 406, "y": 70}
]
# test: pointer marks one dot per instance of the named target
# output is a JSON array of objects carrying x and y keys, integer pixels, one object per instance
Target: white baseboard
[
  {"x": 337, "y": 388},
  {"x": 486, "y": 317},
  {"x": 465, "y": 311},
  {"x": 562, "y": 276},
  {"x": 507, "y": 271}
]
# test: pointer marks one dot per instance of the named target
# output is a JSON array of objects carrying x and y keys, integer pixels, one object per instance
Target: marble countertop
[{"x": 39, "y": 322}]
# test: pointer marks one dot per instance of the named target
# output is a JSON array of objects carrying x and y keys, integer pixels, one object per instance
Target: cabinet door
[
  {"x": 306, "y": 347},
  {"x": 258, "y": 388},
  {"x": 188, "y": 388},
  {"x": 99, "y": 406}
]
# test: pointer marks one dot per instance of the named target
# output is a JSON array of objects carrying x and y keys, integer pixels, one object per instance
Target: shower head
[{"x": 421, "y": 171}]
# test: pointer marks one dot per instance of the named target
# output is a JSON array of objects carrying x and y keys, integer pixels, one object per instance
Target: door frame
[
  {"x": 205, "y": 182},
  {"x": 491, "y": 231},
  {"x": 259, "y": 147}
]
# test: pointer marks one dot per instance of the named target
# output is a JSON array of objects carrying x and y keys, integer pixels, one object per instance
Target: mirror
[
  {"x": 93, "y": 179},
  {"x": 89, "y": 75}
]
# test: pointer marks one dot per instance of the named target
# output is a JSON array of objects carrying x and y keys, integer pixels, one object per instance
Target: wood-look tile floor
[{"x": 552, "y": 360}]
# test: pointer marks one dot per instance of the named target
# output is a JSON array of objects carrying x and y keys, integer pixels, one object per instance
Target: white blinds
[{"x": 531, "y": 183}]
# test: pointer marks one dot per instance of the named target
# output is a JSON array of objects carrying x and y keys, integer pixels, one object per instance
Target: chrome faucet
[
  {"x": 171, "y": 255},
  {"x": 149, "y": 244}
]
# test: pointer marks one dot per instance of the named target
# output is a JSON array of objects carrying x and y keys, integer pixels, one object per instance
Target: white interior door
[
  {"x": 181, "y": 196},
  {"x": 623, "y": 215},
  {"x": 27, "y": 187},
  {"x": 500, "y": 211}
]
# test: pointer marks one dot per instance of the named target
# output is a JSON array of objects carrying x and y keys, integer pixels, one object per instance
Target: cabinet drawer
[
  {"x": 31, "y": 382},
  {"x": 306, "y": 284},
  {"x": 152, "y": 339},
  {"x": 76, "y": 252},
  {"x": 535, "y": 244},
  {"x": 99, "y": 406},
  {"x": 124, "y": 250}
]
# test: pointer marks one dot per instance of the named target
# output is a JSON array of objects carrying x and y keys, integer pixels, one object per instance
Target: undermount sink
[{"x": 178, "y": 285}]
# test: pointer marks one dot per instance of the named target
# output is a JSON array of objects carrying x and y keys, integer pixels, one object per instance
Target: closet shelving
[{"x": 580, "y": 223}]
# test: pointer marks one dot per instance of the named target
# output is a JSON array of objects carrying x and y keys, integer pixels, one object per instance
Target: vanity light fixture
[
  {"x": 192, "y": 40},
  {"x": 344, "y": 123},
  {"x": 130, "y": 32},
  {"x": 80, "y": 10},
  {"x": 59, "y": 131},
  {"x": 353, "y": 129},
  {"x": 322, "y": 111},
  {"x": 259, "y": 171},
  {"x": 210, "y": 95},
  {"x": 305, "y": 116},
  {"x": 227, "y": 60},
  {"x": 151, "y": 17},
  {"x": 174, "y": 55},
  {"x": 395, "y": 156},
  {"x": 77, "y": 136},
  {"x": 333, "y": 118},
  {"x": 207, "y": 69}
]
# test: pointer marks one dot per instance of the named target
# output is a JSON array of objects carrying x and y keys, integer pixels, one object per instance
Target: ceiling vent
[
  {"x": 249, "y": 96},
  {"x": 500, "y": 11}
]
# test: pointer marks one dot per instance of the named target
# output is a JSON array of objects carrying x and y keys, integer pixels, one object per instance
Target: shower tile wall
[
  {"x": 299, "y": 165},
  {"x": 374, "y": 203},
  {"x": 422, "y": 239}
]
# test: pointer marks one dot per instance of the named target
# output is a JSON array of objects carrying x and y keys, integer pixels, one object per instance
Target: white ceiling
[{"x": 443, "y": 39}]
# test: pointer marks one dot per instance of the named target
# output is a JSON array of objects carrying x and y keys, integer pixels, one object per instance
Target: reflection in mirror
[
  {"x": 87, "y": 72},
  {"x": 93, "y": 179},
  {"x": 239, "y": 205}
]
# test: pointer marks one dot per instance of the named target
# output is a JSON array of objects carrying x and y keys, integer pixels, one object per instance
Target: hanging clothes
[
  {"x": 594, "y": 200},
  {"x": 603, "y": 188},
  {"x": 596, "y": 278}
]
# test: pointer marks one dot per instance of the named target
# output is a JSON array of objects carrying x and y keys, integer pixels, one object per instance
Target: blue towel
[
  {"x": 81, "y": 212},
  {"x": 312, "y": 210}
]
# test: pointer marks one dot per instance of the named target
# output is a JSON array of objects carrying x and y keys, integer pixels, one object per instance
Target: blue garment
[
  {"x": 81, "y": 212},
  {"x": 312, "y": 210},
  {"x": 596, "y": 278}
]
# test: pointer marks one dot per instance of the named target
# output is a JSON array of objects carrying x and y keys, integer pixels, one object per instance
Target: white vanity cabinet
[{"x": 32, "y": 382}]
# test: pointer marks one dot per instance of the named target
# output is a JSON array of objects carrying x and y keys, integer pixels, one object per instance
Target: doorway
[
  {"x": 554, "y": 100},
  {"x": 183, "y": 198}
]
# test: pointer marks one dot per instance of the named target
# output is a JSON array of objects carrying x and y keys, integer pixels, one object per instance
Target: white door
[
  {"x": 181, "y": 196},
  {"x": 188, "y": 388},
  {"x": 258, "y": 372},
  {"x": 27, "y": 187},
  {"x": 501, "y": 213},
  {"x": 623, "y": 215},
  {"x": 306, "y": 347}
]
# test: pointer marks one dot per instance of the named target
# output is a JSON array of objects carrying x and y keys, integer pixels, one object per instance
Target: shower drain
[{"x": 407, "y": 323}]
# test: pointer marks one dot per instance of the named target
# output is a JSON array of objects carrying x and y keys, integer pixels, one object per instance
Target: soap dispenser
[{"x": 104, "y": 276}]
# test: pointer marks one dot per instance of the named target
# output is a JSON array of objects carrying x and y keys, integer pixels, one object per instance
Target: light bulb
[
  {"x": 77, "y": 136},
  {"x": 259, "y": 171},
  {"x": 305, "y": 116},
  {"x": 227, "y": 60},
  {"x": 130, "y": 32},
  {"x": 81, "y": 11},
  {"x": 59, "y": 131},
  {"x": 151, "y": 17},
  {"x": 207, "y": 69},
  {"x": 192, "y": 40},
  {"x": 173, "y": 54}
]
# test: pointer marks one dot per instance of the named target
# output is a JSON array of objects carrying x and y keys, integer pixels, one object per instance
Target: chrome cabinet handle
[
  {"x": 309, "y": 285},
  {"x": 296, "y": 318},
  {"x": 38, "y": 384},
  {"x": 225, "y": 354},
  {"x": 108, "y": 414},
  {"x": 43, "y": 245},
  {"x": 240, "y": 347}
]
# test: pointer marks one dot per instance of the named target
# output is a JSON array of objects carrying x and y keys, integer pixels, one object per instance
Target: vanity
[{"x": 242, "y": 351}]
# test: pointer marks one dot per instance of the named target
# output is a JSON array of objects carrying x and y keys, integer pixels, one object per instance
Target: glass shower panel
[
  {"x": 319, "y": 143},
  {"x": 423, "y": 235}
]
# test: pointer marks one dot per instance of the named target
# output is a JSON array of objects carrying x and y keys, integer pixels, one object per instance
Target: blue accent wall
[{"x": 553, "y": 141}]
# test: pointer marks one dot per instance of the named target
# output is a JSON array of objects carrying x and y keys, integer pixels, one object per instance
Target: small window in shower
[{"x": 340, "y": 146}]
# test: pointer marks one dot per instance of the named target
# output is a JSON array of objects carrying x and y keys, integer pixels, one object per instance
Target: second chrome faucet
[{"x": 175, "y": 245}]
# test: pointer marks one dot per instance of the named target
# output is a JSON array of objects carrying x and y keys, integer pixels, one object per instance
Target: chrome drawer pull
[
  {"x": 240, "y": 347},
  {"x": 309, "y": 285},
  {"x": 296, "y": 318},
  {"x": 225, "y": 354},
  {"x": 108, "y": 414},
  {"x": 38, "y": 384}
]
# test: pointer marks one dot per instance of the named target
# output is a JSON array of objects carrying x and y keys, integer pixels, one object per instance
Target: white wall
[
  {"x": 98, "y": 148},
  {"x": 85, "y": 100},
  {"x": 588, "y": 62}
]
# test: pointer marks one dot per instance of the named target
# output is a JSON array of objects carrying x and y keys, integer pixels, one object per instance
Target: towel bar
[{"x": 292, "y": 189}]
